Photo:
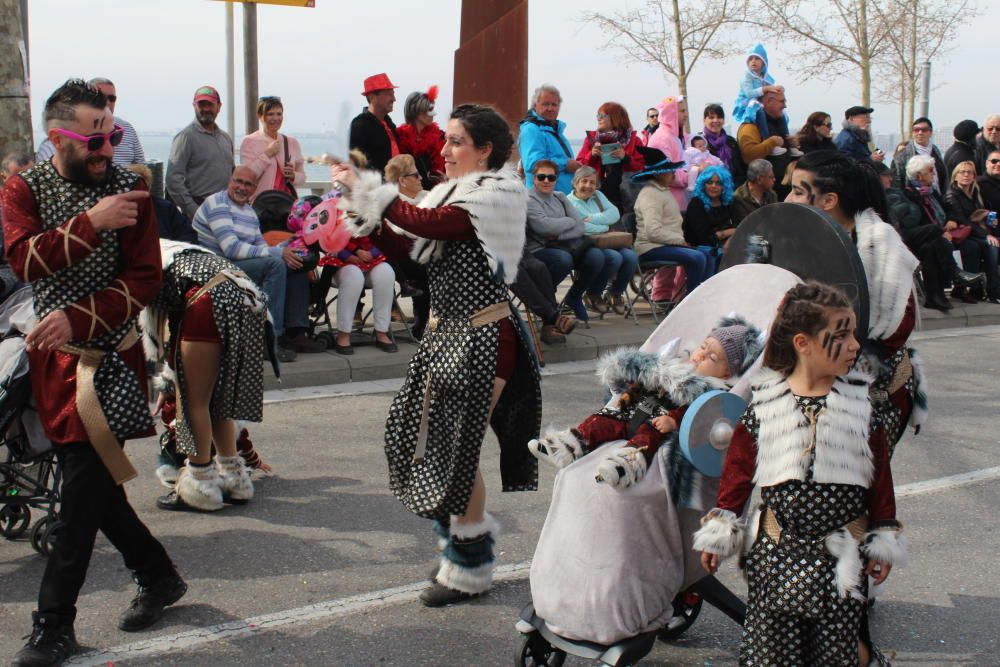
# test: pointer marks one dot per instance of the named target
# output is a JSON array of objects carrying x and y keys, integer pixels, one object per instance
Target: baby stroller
[
  {"x": 606, "y": 584},
  {"x": 29, "y": 474}
]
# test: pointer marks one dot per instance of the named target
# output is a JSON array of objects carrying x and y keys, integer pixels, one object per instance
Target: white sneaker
[
  {"x": 779, "y": 150},
  {"x": 558, "y": 448}
]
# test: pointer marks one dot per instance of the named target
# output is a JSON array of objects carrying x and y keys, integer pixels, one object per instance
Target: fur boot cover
[
  {"x": 200, "y": 487},
  {"x": 467, "y": 561},
  {"x": 889, "y": 268},
  {"x": 886, "y": 545},
  {"x": 497, "y": 204},
  {"x": 236, "y": 483},
  {"x": 721, "y": 533},
  {"x": 682, "y": 385},
  {"x": 558, "y": 448},
  {"x": 842, "y": 454},
  {"x": 622, "y": 468},
  {"x": 626, "y": 366},
  {"x": 844, "y": 548}
]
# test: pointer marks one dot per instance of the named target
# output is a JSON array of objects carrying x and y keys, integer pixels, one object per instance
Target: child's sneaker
[
  {"x": 559, "y": 448},
  {"x": 779, "y": 150}
]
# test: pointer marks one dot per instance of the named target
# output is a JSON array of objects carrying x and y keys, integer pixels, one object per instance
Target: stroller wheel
[
  {"x": 536, "y": 652},
  {"x": 14, "y": 520},
  {"x": 327, "y": 337},
  {"x": 43, "y": 535},
  {"x": 687, "y": 606}
]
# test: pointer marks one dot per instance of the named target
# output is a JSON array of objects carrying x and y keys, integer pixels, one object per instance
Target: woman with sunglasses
[
  {"x": 817, "y": 133},
  {"x": 611, "y": 150},
  {"x": 275, "y": 158},
  {"x": 474, "y": 366},
  {"x": 421, "y": 137}
]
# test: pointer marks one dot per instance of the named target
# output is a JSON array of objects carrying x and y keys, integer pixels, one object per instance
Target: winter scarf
[
  {"x": 930, "y": 205},
  {"x": 719, "y": 145}
]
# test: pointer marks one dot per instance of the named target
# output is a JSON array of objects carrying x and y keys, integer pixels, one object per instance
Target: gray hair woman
[
  {"x": 421, "y": 137},
  {"x": 598, "y": 215}
]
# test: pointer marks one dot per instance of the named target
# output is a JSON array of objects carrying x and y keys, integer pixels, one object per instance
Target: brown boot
[
  {"x": 551, "y": 335},
  {"x": 565, "y": 323}
]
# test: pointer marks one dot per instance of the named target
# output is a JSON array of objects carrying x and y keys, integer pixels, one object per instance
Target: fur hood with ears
[
  {"x": 625, "y": 366},
  {"x": 497, "y": 204}
]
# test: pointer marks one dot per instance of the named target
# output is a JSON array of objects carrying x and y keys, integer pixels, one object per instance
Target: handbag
[
  {"x": 612, "y": 240},
  {"x": 960, "y": 233}
]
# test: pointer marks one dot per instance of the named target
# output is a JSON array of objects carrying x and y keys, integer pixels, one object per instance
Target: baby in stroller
[{"x": 654, "y": 390}]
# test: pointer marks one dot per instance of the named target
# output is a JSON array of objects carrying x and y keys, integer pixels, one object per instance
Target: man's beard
[
  {"x": 206, "y": 118},
  {"x": 76, "y": 166}
]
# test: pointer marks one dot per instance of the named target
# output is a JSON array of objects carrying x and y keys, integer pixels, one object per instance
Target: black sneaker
[
  {"x": 149, "y": 602},
  {"x": 48, "y": 644},
  {"x": 437, "y": 595}
]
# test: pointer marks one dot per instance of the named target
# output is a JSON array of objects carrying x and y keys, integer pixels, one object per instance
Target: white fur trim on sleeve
[
  {"x": 844, "y": 548},
  {"x": 721, "y": 533},
  {"x": 886, "y": 545},
  {"x": 367, "y": 202}
]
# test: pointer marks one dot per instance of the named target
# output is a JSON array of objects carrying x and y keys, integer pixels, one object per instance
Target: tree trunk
[
  {"x": 864, "y": 51},
  {"x": 682, "y": 74},
  {"x": 15, "y": 107},
  {"x": 914, "y": 72},
  {"x": 902, "y": 100}
]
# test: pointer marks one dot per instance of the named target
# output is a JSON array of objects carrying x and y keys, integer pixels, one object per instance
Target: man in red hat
[{"x": 372, "y": 131}]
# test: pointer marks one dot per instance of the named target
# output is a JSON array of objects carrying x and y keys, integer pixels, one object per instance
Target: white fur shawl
[
  {"x": 496, "y": 201},
  {"x": 842, "y": 454},
  {"x": 889, "y": 268}
]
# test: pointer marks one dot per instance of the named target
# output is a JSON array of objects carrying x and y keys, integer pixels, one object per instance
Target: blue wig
[{"x": 705, "y": 176}]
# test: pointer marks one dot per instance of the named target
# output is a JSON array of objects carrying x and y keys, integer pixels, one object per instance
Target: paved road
[{"x": 327, "y": 564}]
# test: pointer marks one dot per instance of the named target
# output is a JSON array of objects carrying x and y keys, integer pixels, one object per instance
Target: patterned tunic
[
  {"x": 99, "y": 279},
  {"x": 239, "y": 315}
]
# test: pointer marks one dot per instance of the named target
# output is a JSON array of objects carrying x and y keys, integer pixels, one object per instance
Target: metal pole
[
  {"x": 925, "y": 90},
  {"x": 250, "y": 64},
  {"x": 230, "y": 72}
]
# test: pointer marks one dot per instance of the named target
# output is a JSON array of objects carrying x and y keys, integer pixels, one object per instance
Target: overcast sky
[{"x": 159, "y": 51}]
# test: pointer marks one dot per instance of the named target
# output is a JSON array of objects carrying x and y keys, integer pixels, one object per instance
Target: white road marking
[{"x": 366, "y": 602}]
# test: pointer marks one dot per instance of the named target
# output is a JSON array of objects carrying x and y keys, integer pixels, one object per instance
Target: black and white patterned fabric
[
  {"x": 456, "y": 364},
  {"x": 239, "y": 317},
  {"x": 121, "y": 398},
  {"x": 795, "y": 615},
  {"x": 886, "y": 414}
]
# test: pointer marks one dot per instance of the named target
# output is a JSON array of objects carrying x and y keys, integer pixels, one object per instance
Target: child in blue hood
[{"x": 754, "y": 83}]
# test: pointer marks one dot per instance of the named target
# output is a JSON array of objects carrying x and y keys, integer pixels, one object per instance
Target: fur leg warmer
[
  {"x": 200, "y": 487},
  {"x": 844, "y": 548},
  {"x": 558, "y": 448},
  {"x": 467, "y": 561},
  {"x": 721, "y": 533},
  {"x": 236, "y": 484},
  {"x": 622, "y": 468}
]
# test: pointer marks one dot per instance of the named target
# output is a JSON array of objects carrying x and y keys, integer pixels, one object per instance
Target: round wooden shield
[
  {"x": 807, "y": 242},
  {"x": 706, "y": 429}
]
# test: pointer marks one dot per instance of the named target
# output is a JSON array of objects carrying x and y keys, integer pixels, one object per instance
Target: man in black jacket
[
  {"x": 989, "y": 184},
  {"x": 964, "y": 147},
  {"x": 987, "y": 142},
  {"x": 372, "y": 131}
]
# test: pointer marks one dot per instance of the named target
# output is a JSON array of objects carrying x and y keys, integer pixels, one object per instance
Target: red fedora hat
[{"x": 378, "y": 82}]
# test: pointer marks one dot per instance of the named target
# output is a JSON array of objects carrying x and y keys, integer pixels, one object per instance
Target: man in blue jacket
[
  {"x": 853, "y": 140},
  {"x": 542, "y": 138}
]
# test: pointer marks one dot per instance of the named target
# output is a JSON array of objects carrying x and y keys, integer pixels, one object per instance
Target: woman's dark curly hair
[
  {"x": 805, "y": 309},
  {"x": 486, "y": 126}
]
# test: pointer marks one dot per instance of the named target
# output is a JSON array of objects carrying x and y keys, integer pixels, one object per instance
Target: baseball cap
[
  {"x": 207, "y": 93},
  {"x": 857, "y": 111}
]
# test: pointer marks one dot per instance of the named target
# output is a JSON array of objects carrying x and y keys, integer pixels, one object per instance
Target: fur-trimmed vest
[
  {"x": 841, "y": 454},
  {"x": 497, "y": 204},
  {"x": 889, "y": 268}
]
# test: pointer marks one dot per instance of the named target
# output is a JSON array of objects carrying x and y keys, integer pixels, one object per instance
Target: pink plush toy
[{"x": 325, "y": 225}]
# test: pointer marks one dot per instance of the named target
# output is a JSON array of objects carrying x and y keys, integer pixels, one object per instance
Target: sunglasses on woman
[
  {"x": 551, "y": 178},
  {"x": 94, "y": 142}
]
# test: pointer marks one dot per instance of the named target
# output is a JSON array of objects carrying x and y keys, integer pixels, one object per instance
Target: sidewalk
[{"x": 369, "y": 363}]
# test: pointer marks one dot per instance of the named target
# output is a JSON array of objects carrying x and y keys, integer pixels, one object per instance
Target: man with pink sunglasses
[{"x": 82, "y": 232}]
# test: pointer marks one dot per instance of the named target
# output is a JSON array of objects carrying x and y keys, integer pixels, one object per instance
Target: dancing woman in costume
[{"x": 474, "y": 366}]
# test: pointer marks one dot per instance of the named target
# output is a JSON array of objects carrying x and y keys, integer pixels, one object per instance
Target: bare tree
[
  {"x": 925, "y": 29},
  {"x": 672, "y": 34},
  {"x": 828, "y": 39}
]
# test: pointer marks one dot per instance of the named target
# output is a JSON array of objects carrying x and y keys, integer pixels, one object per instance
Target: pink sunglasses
[{"x": 95, "y": 141}]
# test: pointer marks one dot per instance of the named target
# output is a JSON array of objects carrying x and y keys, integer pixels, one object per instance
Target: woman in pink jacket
[{"x": 275, "y": 158}]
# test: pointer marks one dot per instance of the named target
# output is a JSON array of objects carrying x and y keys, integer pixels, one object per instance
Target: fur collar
[
  {"x": 497, "y": 204},
  {"x": 889, "y": 268},
  {"x": 682, "y": 385},
  {"x": 626, "y": 366},
  {"x": 842, "y": 454}
]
